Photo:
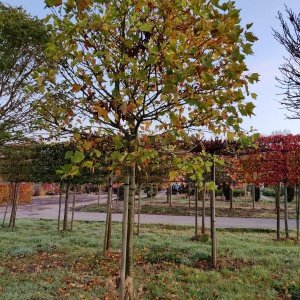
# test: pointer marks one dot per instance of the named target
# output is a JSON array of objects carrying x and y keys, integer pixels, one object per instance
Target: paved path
[{"x": 47, "y": 208}]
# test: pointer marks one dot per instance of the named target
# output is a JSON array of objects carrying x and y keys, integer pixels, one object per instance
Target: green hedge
[
  {"x": 238, "y": 193},
  {"x": 268, "y": 192}
]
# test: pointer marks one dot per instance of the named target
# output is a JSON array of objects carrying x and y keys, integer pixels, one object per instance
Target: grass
[
  {"x": 37, "y": 262},
  {"x": 242, "y": 208}
]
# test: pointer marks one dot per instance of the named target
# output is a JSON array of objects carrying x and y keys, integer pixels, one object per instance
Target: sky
[{"x": 268, "y": 55}]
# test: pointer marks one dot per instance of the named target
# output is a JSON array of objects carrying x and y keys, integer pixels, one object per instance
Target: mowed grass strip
[{"x": 37, "y": 262}]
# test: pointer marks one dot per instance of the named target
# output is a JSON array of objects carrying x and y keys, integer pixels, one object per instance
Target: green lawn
[{"x": 36, "y": 262}]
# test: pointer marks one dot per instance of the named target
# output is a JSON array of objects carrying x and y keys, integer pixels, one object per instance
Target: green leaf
[
  {"x": 146, "y": 27},
  {"x": 78, "y": 157}
]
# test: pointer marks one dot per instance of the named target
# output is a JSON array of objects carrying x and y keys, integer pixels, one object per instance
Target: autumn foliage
[{"x": 25, "y": 195}]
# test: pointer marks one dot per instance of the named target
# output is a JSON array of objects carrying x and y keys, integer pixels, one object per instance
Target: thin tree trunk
[
  {"x": 286, "y": 225},
  {"x": 253, "y": 196},
  {"x": 212, "y": 218},
  {"x": 13, "y": 209},
  {"x": 107, "y": 234},
  {"x": 59, "y": 206},
  {"x": 65, "y": 223},
  {"x": 231, "y": 198},
  {"x": 5, "y": 213},
  {"x": 277, "y": 201},
  {"x": 73, "y": 206},
  {"x": 124, "y": 238},
  {"x": 139, "y": 210},
  {"x": 168, "y": 194},
  {"x": 18, "y": 186},
  {"x": 13, "y": 191},
  {"x": 189, "y": 195},
  {"x": 203, "y": 209},
  {"x": 9, "y": 200},
  {"x": 170, "y": 198},
  {"x": 298, "y": 211},
  {"x": 151, "y": 193},
  {"x": 99, "y": 193},
  {"x": 129, "y": 252},
  {"x": 196, "y": 211}
]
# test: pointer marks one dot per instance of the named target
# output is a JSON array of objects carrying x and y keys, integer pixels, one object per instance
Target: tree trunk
[
  {"x": 277, "y": 202},
  {"x": 298, "y": 211},
  {"x": 212, "y": 218},
  {"x": 170, "y": 198},
  {"x": 231, "y": 198},
  {"x": 99, "y": 193},
  {"x": 151, "y": 193},
  {"x": 107, "y": 234},
  {"x": 73, "y": 206},
  {"x": 124, "y": 238},
  {"x": 139, "y": 210},
  {"x": 131, "y": 202},
  {"x": 15, "y": 197},
  {"x": 59, "y": 206},
  {"x": 203, "y": 209},
  {"x": 13, "y": 193},
  {"x": 253, "y": 196},
  {"x": 18, "y": 185},
  {"x": 9, "y": 200},
  {"x": 189, "y": 195},
  {"x": 196, "y": 211},
  {"x": 65, "y": 223},
  {"x": 286, "y": 225}
]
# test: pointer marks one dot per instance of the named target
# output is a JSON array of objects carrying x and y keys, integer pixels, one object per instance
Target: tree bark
[
  {"x": 18, "y": 185},
  {"x": 203, "y": 209},
  {"x": 212, "y": 218},
  {"x": 196, "y": 211},
  {"x": 253, "y": 196},
  {"x": 298, "y": 211},
  {"x": 15, "y": 196},
  {"x": 107, "y": 234},
  {"x": 231, "y": 198},
  {"x": 170, "y": 198},
  {"x": 9, "y": 200},
  {"x": 124, "y": 238},
  {"x": 151, "y": 193},
  {"x": 286, "y": 225},
  {"x": 65, "y": 223},
  {"x": 13, "y": 193},
  {"x": 139, "y": 210},
  {"x": 99, "y": 193},
  {"x": 277, "y": 202},
  {"x": 59, "y": 206},
  {"x": 131, "y": 202},
  {"x": 189, "y": 196},
  {"x": 73, "y": 206}
]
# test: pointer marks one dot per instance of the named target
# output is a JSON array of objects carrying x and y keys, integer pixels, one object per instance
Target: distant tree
[
  {"x": 289, "y": 37},
  {"x": 22, "y": 39}
]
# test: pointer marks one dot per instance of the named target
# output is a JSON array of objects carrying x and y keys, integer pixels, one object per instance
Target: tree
[
  {"x": 289, "y": 37},
  {"x": 130, "y": 68},
  {"x": 22, "y": 40}
]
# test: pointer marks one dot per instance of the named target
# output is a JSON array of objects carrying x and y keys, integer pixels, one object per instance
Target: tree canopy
[{"x": 22, "y": 40}]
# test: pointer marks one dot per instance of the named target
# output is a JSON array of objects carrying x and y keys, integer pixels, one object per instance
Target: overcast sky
[{"x": 268, "y": 55}]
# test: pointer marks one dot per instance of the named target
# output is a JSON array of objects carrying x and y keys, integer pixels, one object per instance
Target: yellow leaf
[
  {"x": 101, "y": 111},
  {"x": 172, "y": 175},
  {"x": 76, "y": 88}
]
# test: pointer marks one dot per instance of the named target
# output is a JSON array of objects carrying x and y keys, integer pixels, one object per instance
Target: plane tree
[{"x": 134, "y": 68}]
